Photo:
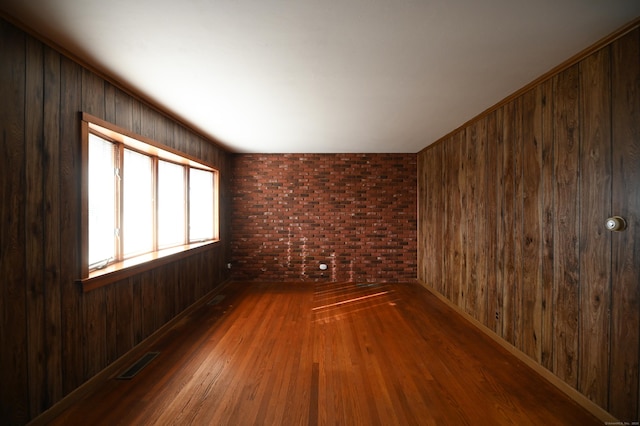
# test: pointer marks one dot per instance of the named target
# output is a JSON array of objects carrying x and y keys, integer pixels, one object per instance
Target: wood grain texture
[
  {"x": 548, "y": 202},
  {"x": 470, "y": 195},
  {"x": 494, "y": 211},
  {"x": 423, "y": 223},
  {"x": 333, "y": 353},
  {"x": 14, "y": 392},
  {"x": 532, "y": 224},
  {"x": 625, "y": 290},
  {"x": 51, "y": 223},
  {"x": 72, "y": 305},
  {"x": 595, "y": 240},
  {"x": 109, "y": 102},
  {"x": 448, "y": 177},
  {"x": 53, "y": 336},
  {"x": 125, "y": 106},
  {"x": 434, "y": 259},
  {"x": 34, "y": 225},
  {"x": 518, "y": 221},
  {"x": 499, "y": 183},
  {"x": 481, "y": 227},
  {"x": 507, "y": 240},
  {"x": 562, "y": 157},
  {"x": 566, "y": 231},
  {"x": 458, "y": 264}
]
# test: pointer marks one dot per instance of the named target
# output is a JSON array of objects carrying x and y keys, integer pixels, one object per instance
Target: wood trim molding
[
  {"x": 605, "y": 41},
  {"x": 140, "y": 264},
  {"x": 129, "y": 138},
  {"x": 572, "y": 393}
]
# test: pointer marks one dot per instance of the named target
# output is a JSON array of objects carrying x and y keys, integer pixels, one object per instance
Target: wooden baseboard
[
  {"x": 571, "y": 392},
  {"x": 124, "y": 361}
]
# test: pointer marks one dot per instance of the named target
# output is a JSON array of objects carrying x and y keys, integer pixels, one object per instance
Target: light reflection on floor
[{"x": 334, "y": 301}]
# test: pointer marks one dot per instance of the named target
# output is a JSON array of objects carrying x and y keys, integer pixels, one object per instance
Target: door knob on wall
[{"x": 616, "y": 223}]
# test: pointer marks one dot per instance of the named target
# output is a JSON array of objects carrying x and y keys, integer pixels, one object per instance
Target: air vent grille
[
  {"x": 219, "y": 298},
  {"x": 138, "y": 366}
]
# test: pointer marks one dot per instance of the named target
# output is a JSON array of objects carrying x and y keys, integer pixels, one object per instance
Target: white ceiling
[{"x": 320, "y": 76}]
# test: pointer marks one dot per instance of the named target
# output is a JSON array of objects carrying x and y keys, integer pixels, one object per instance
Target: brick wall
[{"x": 354, "y": 212}]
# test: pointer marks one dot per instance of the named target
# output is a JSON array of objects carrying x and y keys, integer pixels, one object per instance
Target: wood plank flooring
[{"x": 332, "y": 353}]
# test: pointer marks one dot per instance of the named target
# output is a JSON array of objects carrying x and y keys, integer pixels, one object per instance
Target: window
[{"x": 141, "y": 201}]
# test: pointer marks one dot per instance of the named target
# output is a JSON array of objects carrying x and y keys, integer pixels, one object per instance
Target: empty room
[{"x": 243, "y": 212}]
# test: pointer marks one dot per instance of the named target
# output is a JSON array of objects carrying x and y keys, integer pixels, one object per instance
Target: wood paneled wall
[
  {"x": 511, "y": 223},
  {"x": 52, "y": 336}
]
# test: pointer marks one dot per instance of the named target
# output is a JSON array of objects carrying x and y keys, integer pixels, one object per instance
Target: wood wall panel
[
  {"x": 595, "y": 240},
  {"x": 497, "y": 140},
  {"x": 425, "y": 223},
  {"x": 494, "y": 210},
  {"x": 72, "y": 304},
  {"x": 111, "y": 325},
  {"x": 34, "y": 236},
  {"x": 548, "y": 220},
  {"x": 625, "y": 309},
  {"x": 54, "y": 337},
  {"x": 524, "y": 245},
  {"x": 124, "y": 108},
  {"x": 137, "y": 313},
  {"x": 462, "y": 243},
  {"x": 507, "y": 236},
  {"x": 531, "y": 308},
  {"x": 451, "y": 197},
  {"x": 14, "y": 392},
  {"x": 51, "y": 220},
  {"x": 434, "y": 228},
  {"x": 125, "y": 318},
  {"x": 455, "y": 225},
  {"x": 109, "y": 102},
  {"x": 471, "y": 217},
  {"x": 518, "y": 221},
  {"x": 437, "y": 222},
  {"x": 566, "y": 250},
  {"x": 481, "y": 227}
]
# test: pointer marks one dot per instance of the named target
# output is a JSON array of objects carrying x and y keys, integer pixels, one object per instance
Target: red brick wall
[{"x": 354, "y": 212}]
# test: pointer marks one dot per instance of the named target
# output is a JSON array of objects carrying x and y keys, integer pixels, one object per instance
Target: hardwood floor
[{"x": 318, "y": 354}]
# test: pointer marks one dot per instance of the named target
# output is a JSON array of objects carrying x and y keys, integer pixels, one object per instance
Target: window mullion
[
  {"x": 119, "y": 201},
  {"x": 187, "y": 237},
  {"x": 154, "y": 180}
]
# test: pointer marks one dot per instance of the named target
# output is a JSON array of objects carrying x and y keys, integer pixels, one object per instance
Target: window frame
[{"x": 124, "y": 267}]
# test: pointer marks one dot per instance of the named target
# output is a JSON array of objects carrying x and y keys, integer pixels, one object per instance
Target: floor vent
[
  {"x": 138, "y": 366},
  {"x": 219, "y": 298}
]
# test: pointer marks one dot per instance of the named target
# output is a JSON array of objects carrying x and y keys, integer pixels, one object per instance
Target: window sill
[{"x": 125, "y": 269}]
